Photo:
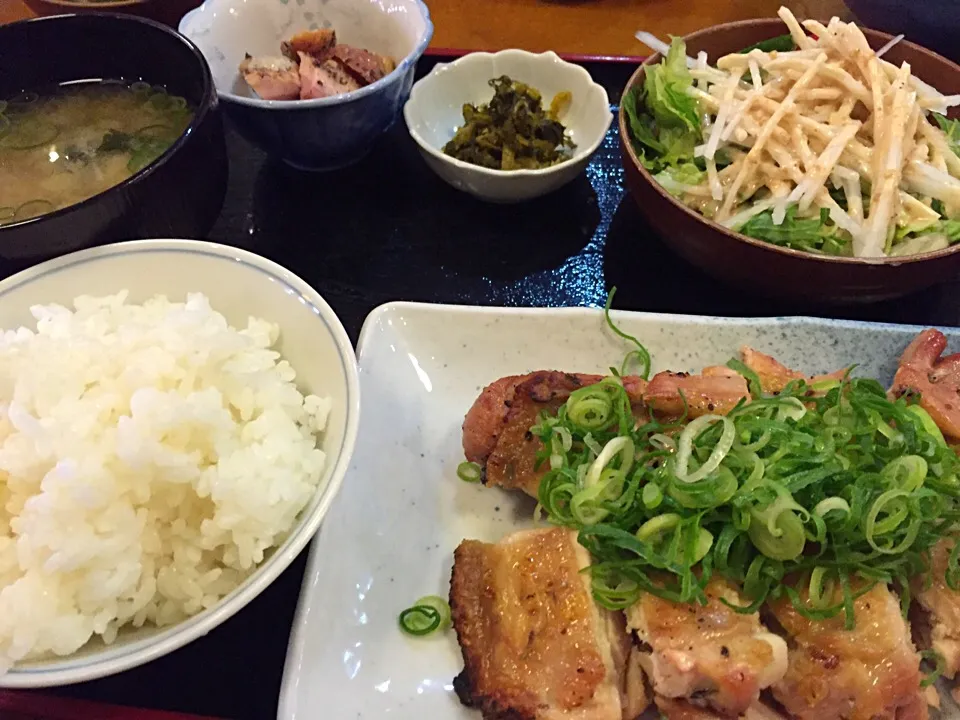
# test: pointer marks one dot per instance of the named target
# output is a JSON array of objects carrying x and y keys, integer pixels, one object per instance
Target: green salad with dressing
[{"x": 801, "y": 143}]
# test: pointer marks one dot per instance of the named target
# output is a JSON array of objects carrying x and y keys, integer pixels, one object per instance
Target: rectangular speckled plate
[{"x": 390, "y": 535}]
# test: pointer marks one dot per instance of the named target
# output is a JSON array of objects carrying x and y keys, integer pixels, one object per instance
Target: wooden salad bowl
[{"x": 767, "y": 269}]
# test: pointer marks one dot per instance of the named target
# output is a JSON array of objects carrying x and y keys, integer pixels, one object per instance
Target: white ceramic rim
[
  {"x": 370, "y": 322},
  {"x": 117, "y": 659},
  {"x": 523, "y": 172},
  {"x": 410, "y": 60}
]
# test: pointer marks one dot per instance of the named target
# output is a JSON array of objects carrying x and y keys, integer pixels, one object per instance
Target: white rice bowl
[{"x": 150, "y": 455}]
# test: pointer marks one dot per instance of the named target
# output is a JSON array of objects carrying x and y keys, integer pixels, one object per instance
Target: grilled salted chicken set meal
[{"x": 734, "y": 541}]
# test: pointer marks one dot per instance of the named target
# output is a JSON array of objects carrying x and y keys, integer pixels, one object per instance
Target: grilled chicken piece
[
  {"x": 319, "y": 44},
  {"x": 313, "y": 66},
  {"x": 683, "y": 710},
  {"x": 365, "y": 66},
  {"x": 535, "y": 644},
  {"x": 496, "y": 430},
  {"x": 774, "y": 376},
  {"x": 272, "y": 78},
  {"x": 634, "y": 697},
  {"x": 936, "y": 378},
  {"x": 762, "y": 711},
  {"x": 937, "y": 610},
  {"x": 869, "y": 673},
  {"x": 322, "y": 80},
  {"x": 716, "y": 390},
  {"x": 708, "y": 653}
]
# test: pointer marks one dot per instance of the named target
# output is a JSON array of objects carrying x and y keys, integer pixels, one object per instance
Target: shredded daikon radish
[
  {"x": 802, "y": 146},
  {"x": 768, "y": 129},
  {"x": 714, "y": 140},
  {"x": 890, "y": 43},
  {"x": 652, "y": 41},
  {"x": 888, "y": 168},
  {"x": 842, "y": 113},
  {"x": 812, "y": 128},
  {"x": 822, "y": 32},
  {"x": 850, "y": 182},
  {"x": 935, "y": 158},
  {"x": 716, "y": 189},
  {"x": 800, "y": 38},
  {"x": 841, "y": 218},
  {"x": 914, "y": 211},
  {"x": 737, "y": 220},
  {"x": 755, "y": 75},
  {"x": 925, "y": 179},
  {"x": 938, "y": 140},
  {"x": 816, "y": 177},
  {"x": 734, "y": 121}
]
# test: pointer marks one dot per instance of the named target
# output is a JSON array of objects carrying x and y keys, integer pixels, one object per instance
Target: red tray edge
[{"x": 30, "y": 705}]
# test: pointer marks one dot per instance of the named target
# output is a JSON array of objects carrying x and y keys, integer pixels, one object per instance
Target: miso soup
[{"x": 62, "y": 147}]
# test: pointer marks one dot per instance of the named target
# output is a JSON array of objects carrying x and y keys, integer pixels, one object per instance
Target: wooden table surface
[{"x": 590, "y": 27}]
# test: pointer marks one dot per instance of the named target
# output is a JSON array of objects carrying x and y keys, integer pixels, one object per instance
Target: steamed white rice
[{"x": 149, "y": 456}]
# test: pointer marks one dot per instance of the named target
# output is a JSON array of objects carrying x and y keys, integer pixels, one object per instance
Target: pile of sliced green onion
[
  {"x": 818, "y": 493},
  {"x": 427, "y": 615}
]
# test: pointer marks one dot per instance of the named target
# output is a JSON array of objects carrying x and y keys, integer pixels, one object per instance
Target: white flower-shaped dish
[{"x": 435, "y": 111}]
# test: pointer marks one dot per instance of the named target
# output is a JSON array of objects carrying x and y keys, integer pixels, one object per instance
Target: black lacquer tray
[{"x": 389, "y": 229}]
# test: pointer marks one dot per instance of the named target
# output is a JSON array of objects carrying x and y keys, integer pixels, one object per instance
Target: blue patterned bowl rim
[{"x": 403, "y": 66}]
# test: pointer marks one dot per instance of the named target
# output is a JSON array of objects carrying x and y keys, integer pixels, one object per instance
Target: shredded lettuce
[
  {"x": 933, "y": 236},
  {"x": 919, "y": 227},
  {"x": 666, "y": 87},
  {"x": 919, "y": 244},
  {"x": 814, "y": 234},
  {"x": 951, "y": 228},
  {"x": 664, "y": 120},
  {"x": 643, "y": 130},
  {"x": 952, "y": 130},
  {"x": 677, "y": 178},
  {"x": 657, "y": 148},
  {"x": 678, "y": 146}
]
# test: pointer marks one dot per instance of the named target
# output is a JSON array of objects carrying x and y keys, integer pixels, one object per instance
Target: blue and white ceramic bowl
[{"x": 317, "y": 134}]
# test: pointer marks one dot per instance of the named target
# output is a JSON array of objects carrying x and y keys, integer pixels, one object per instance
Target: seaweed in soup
[{"x": 61, "y": 147}]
